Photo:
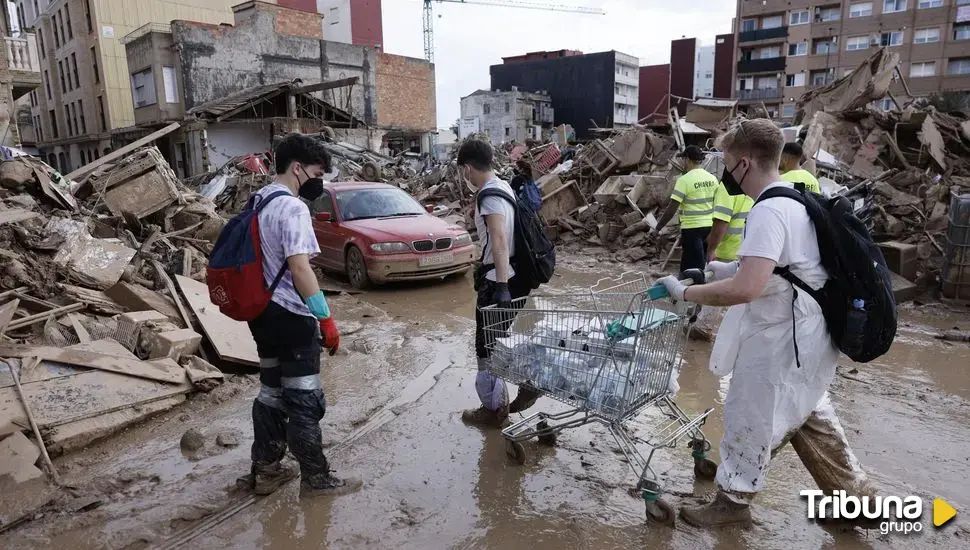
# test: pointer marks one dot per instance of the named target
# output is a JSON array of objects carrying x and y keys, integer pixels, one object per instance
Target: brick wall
[
  {"x": 299, "y": 23},
  {"x": 405, "y": 93}
]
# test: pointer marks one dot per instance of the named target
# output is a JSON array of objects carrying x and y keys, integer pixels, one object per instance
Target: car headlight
[
  {"x": 463, "y": 240},
  {"x": 390, "y": 248}
]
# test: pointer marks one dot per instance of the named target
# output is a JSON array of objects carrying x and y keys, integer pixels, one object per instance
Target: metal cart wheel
[
  {"x": 660, "y": 511},
  {"x": 546, "y": 436},
  {"x": 515, "y": 451}
]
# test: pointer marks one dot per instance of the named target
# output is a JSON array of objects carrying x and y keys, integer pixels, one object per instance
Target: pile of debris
[{"x": 104, "y": 314}]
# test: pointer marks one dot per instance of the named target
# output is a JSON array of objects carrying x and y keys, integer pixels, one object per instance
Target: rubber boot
[
  {"x": 328, "y": 485},
  {"x": 486, "y": 418},
  {"x": 525, "y": 399},
  {"x": 720, "y": 512},
  {"x": 270, "y": 477}
]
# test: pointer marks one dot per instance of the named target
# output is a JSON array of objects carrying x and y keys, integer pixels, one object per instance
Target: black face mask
[
  {"x": 312, "y": 188},
  {"x": 733, "y": 186}
]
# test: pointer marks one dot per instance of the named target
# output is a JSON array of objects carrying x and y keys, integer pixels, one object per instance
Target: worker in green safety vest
[
  {"x": 791, "y": 159},
  {"x": 727, "y": 230},
  {"x": 693, "y": 197}
]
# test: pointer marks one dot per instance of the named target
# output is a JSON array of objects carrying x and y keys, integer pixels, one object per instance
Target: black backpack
[
  {"x": 535, "y": 255},
  {"x": 857, "y": 271}
]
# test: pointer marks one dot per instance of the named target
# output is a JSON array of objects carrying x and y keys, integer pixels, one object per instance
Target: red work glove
[{"x": 329, "y": 335}]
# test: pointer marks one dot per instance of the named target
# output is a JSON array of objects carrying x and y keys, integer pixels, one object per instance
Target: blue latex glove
[
  {"x": 318, "y": 305},
  {"x": 502, "y": 297}
]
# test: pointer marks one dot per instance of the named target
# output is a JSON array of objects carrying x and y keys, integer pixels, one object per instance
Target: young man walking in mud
[
  {"x": 774, "y": 341},
  {"x": 288, "y": 333},
  {"x": 495, "y": 282}
]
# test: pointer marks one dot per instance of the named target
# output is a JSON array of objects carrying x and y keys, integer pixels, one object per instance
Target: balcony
[
  {"x": 760, "y": 93},
  {"x": 770, "y": 65},
  {"x": 763, "y": 34},
  {"x": 23, "y": 63}
]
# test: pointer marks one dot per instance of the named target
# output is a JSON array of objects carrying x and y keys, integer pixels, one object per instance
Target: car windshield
[{"x": 361, "y": 204}]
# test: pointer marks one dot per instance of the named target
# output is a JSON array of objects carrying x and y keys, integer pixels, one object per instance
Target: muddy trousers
[
  {"x": 491, "y": 389},
  {"x": 290, "y": 403},
  {"x": 821, "y": 445}
]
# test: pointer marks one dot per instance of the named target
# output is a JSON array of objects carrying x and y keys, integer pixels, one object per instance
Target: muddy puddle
[{"x": 394, "y": 401}]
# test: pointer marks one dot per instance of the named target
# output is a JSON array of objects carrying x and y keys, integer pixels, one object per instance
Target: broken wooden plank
[
  {"x": 43, "y": 316},
  {"x": 11, "y": 292},
  {"x": 120, "y": 153},
  {"x": 95, "y": 300},
  {"x": 231, "y": 339},
  {"x": 6, "y": 313},
  {"x": 160, "y": 269},
  {"x": 33, "y": 422},
  {"x": 82, "y": 333},
  {"x": 47, "y": 370},
  {"x": 93, "y": 360},
  {"x": 15, "y": 215}
]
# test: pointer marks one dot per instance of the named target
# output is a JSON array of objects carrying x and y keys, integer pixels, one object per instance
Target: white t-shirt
[
  {"x": 501, "y": 207},
  {"x": 779, "y": 229}
]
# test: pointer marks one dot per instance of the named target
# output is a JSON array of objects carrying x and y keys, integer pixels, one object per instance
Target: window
[
  {"x": 94, "y": 61},
  {"x": 40, "y": 128},
  {"x": 788, "y": 110},
  {"x": 77, "y": 129},
  {"x": 894, "y": 38},
  {"x": 57, "y": 38},
  {"x": 825, "y": 47},
  {"x": 80, "y": 111},
  {"x": 797, "y": 79},
  {"x": 823, "y": 77},
  {"x": 749, "y": 25},
  {"x": 857, "y": 43},
  {"x": 507, "y": 107},
  {"x": 47, "y": 83},
  {"x": 322, "y": 204},
  {"x": 40, "y": 42},
  {"x": 62, "y": 162},
  {"x": 925, "y": 4},
  {"x": 143, "y": 88},
  {"x": 863, "y": 9},
  {"x": 828, "y": 14},
  {"x": 800, "y": 48},
  {"x": 508, "y": 131},
  {"x": 893, "y": 6},
  {"x": 67, "y": 16},
  {"x": 77, "y": 82},
  {"x": 926, "y": 36},
  {"x": 87, "y": 15},
  {"x": 67, "y": 74},
  {"x": 67, "y": 119},
  {"x": 959, "y": 66},
  {"x": 772, "y": 22},
  {"x": 104, "y": 124},
  {"x": 961, "y": 31},
  {"x": 171, "y": 89},
  {"x": 60, "y": 72},
  {"x": 798, "y": 17},
  {"x": 769, "y": 52},
  {"x": 60, "y": 25},
  {"x": 53, "y": 116},
  {"x": 918, "y": 70}
]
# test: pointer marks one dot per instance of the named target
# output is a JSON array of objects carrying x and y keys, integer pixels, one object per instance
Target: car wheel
[{"x": 357, "y": 269}]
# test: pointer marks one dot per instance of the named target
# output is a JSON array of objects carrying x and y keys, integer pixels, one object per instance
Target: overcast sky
[{"x": 469, "y": 38}]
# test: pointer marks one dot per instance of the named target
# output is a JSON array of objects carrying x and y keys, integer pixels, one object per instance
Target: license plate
[{"x": 436, "y": 259}]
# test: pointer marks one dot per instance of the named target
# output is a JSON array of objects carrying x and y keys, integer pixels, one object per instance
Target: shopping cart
[{"x": 608, "y": 354}]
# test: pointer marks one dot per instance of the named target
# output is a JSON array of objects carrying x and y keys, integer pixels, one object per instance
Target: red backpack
[{"x": 235, "y": 271}]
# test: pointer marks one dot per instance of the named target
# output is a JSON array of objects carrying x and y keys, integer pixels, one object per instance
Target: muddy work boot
[
  {"x": 328, "y": 485},
  {"x": 719, "y": 513},
  {"x": 525, "y": 399},
  {"x": 268, "y": 478},
  {"x": 486, "y": 418}
]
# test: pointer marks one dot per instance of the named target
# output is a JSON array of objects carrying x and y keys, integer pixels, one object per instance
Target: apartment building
[
  {"x": 600, "y": 87},
  {"x": 507, "y": 115},
  {"x": 86, "y": 89},
  {"x": 19, "y": 77},
  {"x": 785, "y": 47},
  {"x": 694, "y": 72}
]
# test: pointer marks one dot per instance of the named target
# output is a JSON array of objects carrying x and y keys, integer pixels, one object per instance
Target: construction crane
[{"x": 429, "y": 15}]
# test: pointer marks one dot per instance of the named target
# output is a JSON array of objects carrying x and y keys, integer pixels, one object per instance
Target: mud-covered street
[{"x": 394, "y": 397}]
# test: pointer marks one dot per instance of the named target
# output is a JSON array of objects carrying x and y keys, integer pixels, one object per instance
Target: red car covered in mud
[{"x": 377, "y": 233}]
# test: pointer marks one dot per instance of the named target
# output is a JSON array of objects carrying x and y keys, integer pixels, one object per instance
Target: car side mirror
[
  {"x": 324, "y": 217},
  {"x": 429, "y": 208}
]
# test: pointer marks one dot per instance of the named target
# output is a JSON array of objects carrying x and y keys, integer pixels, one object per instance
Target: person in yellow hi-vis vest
[
  {"x": 727, "y": 230},
  {"x": 693, "y": 196},
  {"x": 791, "y": 159}
]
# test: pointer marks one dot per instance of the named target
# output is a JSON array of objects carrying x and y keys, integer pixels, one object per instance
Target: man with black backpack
[
  {"x": 496, "y": 282},
  {"x": 775, "y": 340}
]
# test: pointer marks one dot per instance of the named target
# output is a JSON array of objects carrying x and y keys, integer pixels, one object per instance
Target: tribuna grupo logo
[{"x": 897, "y": 514}]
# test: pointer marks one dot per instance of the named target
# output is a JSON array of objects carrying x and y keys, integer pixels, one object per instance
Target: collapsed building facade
[{"x": 180, "y": 71}]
